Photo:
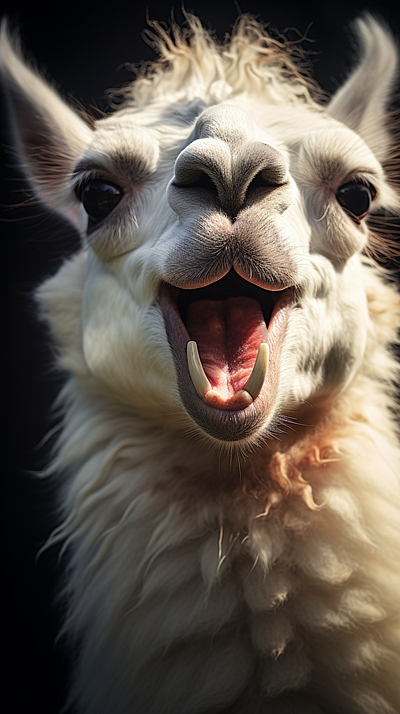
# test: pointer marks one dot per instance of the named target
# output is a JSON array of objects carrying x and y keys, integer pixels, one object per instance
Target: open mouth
[
  {"x": 226, "y": 339},
  {"x": 228, "y": 351}
]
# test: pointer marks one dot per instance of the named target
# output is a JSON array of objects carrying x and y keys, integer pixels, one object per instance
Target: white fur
[{"x": 261, "y": 575}]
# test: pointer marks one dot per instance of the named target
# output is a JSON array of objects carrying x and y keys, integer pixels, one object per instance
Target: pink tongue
[{"x": 228, "y": 334}]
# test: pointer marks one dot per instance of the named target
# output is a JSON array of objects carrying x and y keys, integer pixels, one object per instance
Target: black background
[{"x": 83, "y": 47}]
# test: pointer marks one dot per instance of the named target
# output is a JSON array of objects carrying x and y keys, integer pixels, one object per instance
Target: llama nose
[{"x": 227, "y": 167}]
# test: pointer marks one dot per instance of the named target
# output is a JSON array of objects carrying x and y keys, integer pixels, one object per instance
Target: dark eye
[
  {"x": 356, "y": 199},
  {"x": 98, "y": 198}
]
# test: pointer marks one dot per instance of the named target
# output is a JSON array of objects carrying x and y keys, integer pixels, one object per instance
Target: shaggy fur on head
[{"x": 232, "y": 536}]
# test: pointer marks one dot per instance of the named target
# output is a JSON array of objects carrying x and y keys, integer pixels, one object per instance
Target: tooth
[
  {"x": 256, "y": 379},
  {"x": 197, "y": 373}
]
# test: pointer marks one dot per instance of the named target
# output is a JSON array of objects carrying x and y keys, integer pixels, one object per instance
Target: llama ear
[
  {"x": 48, "y": 135},
  {"x": 361, "y": 103}
]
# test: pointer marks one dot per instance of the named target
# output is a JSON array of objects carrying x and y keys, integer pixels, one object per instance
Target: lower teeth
[
  {"x": 197, "y": 373},
  {"x": 256, "y": 379},
  {"x": 203, "y": 386}
]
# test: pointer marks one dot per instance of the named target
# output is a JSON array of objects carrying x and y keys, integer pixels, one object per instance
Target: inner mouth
[
  {"x": 228, "y": 346},
  {"x": 230, "y": 286}
]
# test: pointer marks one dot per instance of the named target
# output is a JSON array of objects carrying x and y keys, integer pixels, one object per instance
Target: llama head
[{"x": 222, "y": 212}]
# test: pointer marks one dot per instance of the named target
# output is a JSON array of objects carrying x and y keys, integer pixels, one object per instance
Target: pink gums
[{"x": 228, "y": 334}]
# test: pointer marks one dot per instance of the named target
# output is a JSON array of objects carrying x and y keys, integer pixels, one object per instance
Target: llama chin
[{"x": 229, "y": 457}]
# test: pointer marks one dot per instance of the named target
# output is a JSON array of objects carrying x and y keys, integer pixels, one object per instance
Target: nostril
[
  {"x": 192, "y": 187},
  {"x": 261, "y": 180},
  {"x": 203, "y": 181},
  {"x": 264, "y": 183}
]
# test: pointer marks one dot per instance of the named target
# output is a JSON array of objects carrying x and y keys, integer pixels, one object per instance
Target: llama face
[
  {"x": 223, "y": 231},
  {"x": 219, "y": 234}
]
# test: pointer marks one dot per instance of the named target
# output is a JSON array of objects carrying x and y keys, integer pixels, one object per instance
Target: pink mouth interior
[{"x": 228, "y": 334}]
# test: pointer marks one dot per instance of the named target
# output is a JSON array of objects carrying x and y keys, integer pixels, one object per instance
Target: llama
[{"x": 228, "y": 457}]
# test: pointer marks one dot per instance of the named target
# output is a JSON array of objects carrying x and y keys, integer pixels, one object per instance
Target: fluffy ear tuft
[
  {"x": 362, "y": 102},
  {"x": 48, "y": 134}
]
